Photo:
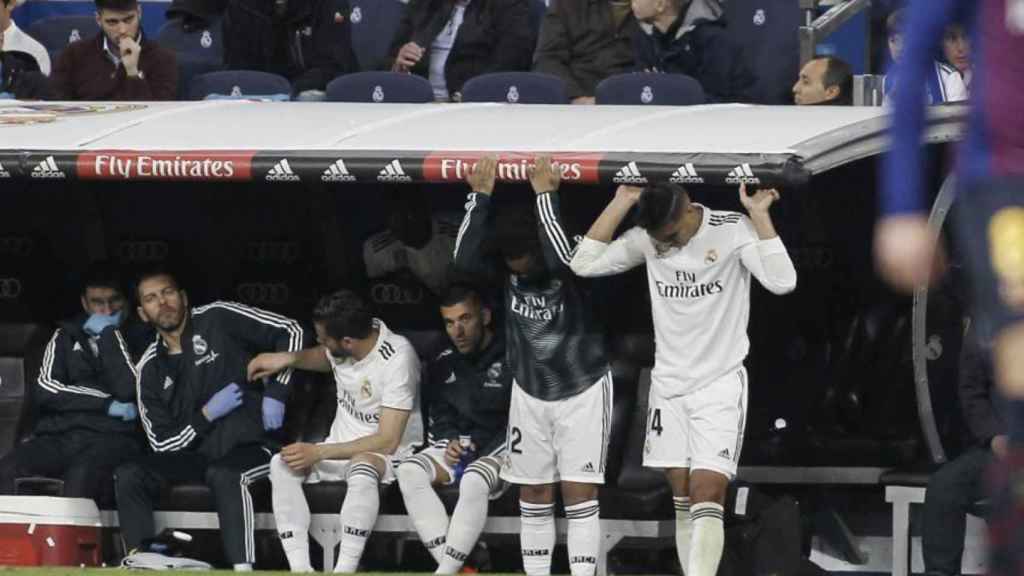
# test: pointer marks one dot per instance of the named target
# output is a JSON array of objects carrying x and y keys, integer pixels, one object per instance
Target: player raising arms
[
  {"x": 699, "y": 263},
  {"x": 560, "y": 410}
]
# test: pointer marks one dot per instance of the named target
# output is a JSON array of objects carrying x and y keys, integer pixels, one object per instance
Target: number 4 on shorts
[{"x": 656, "y": 421}]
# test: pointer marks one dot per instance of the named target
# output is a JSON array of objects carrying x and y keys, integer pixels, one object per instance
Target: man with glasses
[
  {"x": 699, "y": 262},
  {"x": 85, "y": 397}
]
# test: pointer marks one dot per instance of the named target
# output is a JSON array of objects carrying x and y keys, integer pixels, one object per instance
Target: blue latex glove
[
  {"x": 223, "y": 402},
  {"x": 273, "y": 413},
  {"x": 97, "y": 322},
  {"x": 124, "y": 410}
]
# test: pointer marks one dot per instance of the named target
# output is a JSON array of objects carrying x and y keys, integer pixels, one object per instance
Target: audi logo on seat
[
  {"x": 281, "y": 252},
  {"x": 395, "y": 294},
  {"x": 143, "y": 251},
  {"x": 264, "y": 292},
  {"x": 10, "y": 288},
  {"x": 17, "y": 246}
]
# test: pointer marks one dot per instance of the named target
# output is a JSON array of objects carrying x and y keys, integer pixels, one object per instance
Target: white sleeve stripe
[
  {"x": 465, "y": 223},
  {"x": 269, "y": 318},
  {"x": 124, "y": 351},
  {"x": 47, "y": 382},
  {"x": 179, "y": 440},
  {"x": 554, "y": 231}
]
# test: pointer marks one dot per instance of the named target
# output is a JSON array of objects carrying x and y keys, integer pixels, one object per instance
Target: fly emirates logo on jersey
[
  {"x": 198, "y": 166},
  {"x": 686, "y": 287},
  {"x": 512, "y": 167},
  {"x": 348, "y": 403},
  {"x": 535, "y": 307}
]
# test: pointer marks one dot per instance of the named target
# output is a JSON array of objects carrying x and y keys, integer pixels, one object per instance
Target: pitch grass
[{"x": 72, "y": 571}]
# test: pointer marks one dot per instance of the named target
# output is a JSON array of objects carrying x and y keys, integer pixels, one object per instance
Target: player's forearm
[
  {"x": 378, "y": 443},
  {"x": 608, "y": 222},
  {"x": 762, "y": 222},
  {"x": 311, "y": 359}
]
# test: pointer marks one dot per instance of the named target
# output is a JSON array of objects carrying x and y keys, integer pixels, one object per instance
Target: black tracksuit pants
[
  {"x": 140, "y": 483},
  {"x": 84, "y": 459},
  {"x": 953, "y": 490}
]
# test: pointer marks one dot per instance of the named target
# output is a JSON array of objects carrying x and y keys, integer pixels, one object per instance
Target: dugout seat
[
  {"x": 240, "y": 84},
  {"x": 373, "y": 24},
  {"x": 516, "y": 88},
  {"x": 199, "y": 49},
  {"x": 767, "y": 31},
  {"x": 21, "y": 352},
  {"x": 648, "y": 88},
  {"x": 380, "y": 88}
]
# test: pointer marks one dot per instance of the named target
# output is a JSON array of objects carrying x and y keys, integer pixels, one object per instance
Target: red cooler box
[{"x": 47, "y": 531}]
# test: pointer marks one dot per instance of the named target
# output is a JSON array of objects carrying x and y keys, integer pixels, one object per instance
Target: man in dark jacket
[
  {"x": 20, "y": 76},
  {"x": 85, "y": 397},
  {"x": 689, "y": 37},
  {"x": 954, "y": 489},
  {"x": 451, "y": 41},
  {"x": 309, "y": 42},
  {"x": 585, "y": 41},
  {"x": 468, "y": 397},
  {"x": 116, "y": 64},
  {"x": 203, "y": 421}
]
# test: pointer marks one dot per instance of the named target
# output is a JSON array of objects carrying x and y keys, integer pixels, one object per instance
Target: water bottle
[{"x": 466, "y": 443}]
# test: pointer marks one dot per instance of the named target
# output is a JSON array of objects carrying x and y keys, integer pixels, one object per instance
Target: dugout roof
[{"x": 336, "y": 143}]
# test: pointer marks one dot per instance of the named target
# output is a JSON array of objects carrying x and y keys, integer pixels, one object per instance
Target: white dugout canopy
[{"x": 335, "y": 143}]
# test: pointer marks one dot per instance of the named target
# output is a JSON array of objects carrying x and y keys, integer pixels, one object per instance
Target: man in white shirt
[
  {"x": 699, "y": 263},
  {"x": 377, "y": 374},
  {"x": 14, "y": 40}
]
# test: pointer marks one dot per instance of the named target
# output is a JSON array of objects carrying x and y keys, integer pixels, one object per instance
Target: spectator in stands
[
  {"x": 19, "y": 75},
  {"x": 85, "y": 396},
  {"x": 689, "y": 37},
  {"x": 945, "y": 84},
  {"x": 585, "y": 41},
  {"x": 377, "y": 374},
  {"x": 451, "y": 41},
  {"x": 203, "y": 422},
  {"x": 956, "y": 487},
  {"x": 307, "y": 42},
  {"x": 824, "y": 80},
  {"x": 196, "y": 14},
  {"x": 558, "y": 432},
  {"x": 119, "y": 63},
  {"x": 14, "y": 40},
  {"x": 468, "y": 398},
  {"x": 956, "y": 49}
]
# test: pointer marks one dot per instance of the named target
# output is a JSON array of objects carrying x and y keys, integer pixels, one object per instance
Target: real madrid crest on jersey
[
  {"x": 366, "y": 390},
  {"x": 494, "y": 372},
  {"x": 199, "y": 346},
  {"x": 711, "y": 257}
]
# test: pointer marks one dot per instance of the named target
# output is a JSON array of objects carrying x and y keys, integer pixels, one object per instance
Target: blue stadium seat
[
  {"x": 767, "y": 31},
  {"x": 373, "y": 24},
  {"x": 516, "y": 88},
  {"x": 199, "y": 51},
  {"x": 56, "y": 32},
  {"x": 206, "y": 44},
  {"x": 380, "y": 87},
  {"x": 650, "y": 88},
  {"x": 240, "y": 84}
]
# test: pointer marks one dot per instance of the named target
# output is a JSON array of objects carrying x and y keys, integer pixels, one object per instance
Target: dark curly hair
[
  {"x": 660, "y": 204},
  {"x": 344, "y": 314}
]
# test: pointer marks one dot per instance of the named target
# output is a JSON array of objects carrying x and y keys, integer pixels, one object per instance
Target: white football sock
[
  {"x": 291, "y": 513},
  {"x": 537, "y": 537},
  {"x": 708, "y": 539},
  {"x": 584, "y": 537},
  {"x": 358, "y": 515},
  {"x": 426, "y": 510},
  {"x": 469, "y": 516},
  {"x": 684, "y": 530}
]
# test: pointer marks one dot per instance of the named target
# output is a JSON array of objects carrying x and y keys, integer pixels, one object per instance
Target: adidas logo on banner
[
  {"x": 48, "y": 169},
  {"x": 282, "y": 172},
  {"x": 742, "y": 174},
  {"x": 3, "y": 172},
  {"x": 629, "y": 174},
  {"x": 393, "y": 172},
  {"x": 337, "y": 172},
  {"x": 686, "y": 174}
]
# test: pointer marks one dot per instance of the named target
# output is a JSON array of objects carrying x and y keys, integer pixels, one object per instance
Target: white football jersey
[
  {"x": 388, "y": 377},
  {"x": 700, "y": 294}
]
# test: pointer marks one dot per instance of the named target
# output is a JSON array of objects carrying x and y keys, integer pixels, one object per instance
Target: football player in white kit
[
  {"x": 377, "y": 374},
  {"x": 699, "y": 263}
]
